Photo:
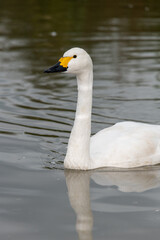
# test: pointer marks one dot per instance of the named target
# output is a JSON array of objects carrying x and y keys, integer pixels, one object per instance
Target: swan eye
[{"x": 74, "y": 56}]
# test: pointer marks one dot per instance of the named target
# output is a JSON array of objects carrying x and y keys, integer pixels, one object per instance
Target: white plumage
[
  {"x": 124, "y": 145},
  {"x": 127, "y": 145}
]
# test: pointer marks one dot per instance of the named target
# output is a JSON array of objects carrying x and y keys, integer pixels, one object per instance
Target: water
[{"x": 38, "y": 199}]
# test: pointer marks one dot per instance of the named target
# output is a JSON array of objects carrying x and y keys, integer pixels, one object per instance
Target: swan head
[{"x": 76, "y": 61}]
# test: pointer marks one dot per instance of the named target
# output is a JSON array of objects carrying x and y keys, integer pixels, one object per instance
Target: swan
[{"x": 123, "y": 145}]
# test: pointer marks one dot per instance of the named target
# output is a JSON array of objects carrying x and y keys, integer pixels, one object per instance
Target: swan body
[
  {"x": 127, "y": 145},
  {"x": 124, "y": 145}
]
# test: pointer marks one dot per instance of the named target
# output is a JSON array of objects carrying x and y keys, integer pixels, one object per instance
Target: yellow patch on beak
[{"x": 64, "y": 61}]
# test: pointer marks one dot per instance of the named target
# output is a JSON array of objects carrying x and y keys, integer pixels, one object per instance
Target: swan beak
[{"x": 61, "y": 66}]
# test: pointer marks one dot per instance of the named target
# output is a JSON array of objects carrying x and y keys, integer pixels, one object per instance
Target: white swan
[{"x": 124, "y": 145}]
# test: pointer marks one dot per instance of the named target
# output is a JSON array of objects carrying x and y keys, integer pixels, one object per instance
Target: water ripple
[{"x": 41, "y": 107}]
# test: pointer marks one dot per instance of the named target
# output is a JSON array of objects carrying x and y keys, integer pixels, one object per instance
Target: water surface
[{"x": 38, "y": 199}]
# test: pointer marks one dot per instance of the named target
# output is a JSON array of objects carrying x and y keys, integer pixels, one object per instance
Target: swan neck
[
  {"x": 84, "y": 101},
  {"x": 78, "y": 153}
]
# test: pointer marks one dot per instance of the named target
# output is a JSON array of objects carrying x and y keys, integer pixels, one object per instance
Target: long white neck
[{"x": 78, "y": 152}]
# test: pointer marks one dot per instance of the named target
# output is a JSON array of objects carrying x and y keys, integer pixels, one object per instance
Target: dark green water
[{"x": 38, "y": 199}]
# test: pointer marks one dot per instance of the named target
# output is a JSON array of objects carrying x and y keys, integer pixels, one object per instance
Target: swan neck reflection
[{"x": 78, "y": 184}]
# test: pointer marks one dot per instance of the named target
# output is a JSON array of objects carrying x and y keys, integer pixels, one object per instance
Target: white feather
[{"x": 124, "y": 145}]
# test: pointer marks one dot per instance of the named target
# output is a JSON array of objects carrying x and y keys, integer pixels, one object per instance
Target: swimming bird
[{"x": 123, "y": 145}]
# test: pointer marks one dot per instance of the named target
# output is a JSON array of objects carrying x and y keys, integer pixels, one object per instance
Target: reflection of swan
[
  {"x": 128, "y": 181},
  {"x": 78, "y": 191},
  {"x": 125, "y": 145},
  {"x": 79, "y": 194}
]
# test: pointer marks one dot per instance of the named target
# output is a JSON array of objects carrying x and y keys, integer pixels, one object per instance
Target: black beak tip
[{"x": 56, "y": 68}]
